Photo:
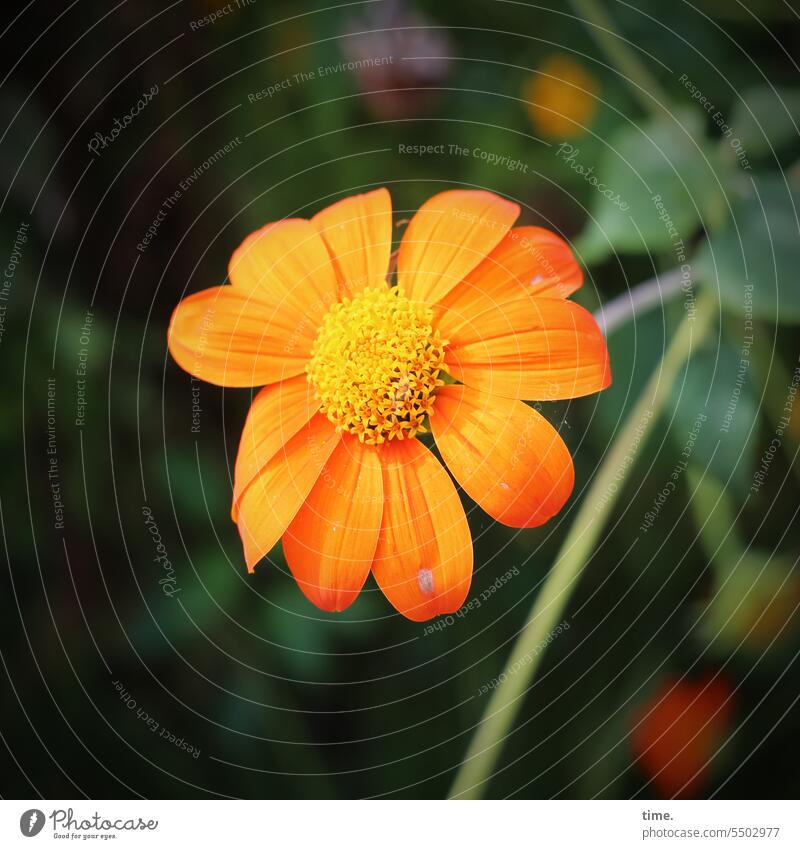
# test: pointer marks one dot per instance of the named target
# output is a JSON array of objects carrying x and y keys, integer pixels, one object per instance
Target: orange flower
[
  {"x": 353, "y": 367},
  {"x": 562, "y": 98},
  {"x": 680, "y": 730}
]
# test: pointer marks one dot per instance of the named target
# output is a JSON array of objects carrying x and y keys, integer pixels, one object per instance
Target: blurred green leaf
[
  {"x": 756, "y": 593},
  {"x": 755, "y": 603},
  {"x": 717, "y": 387},
  {"x": 654, "y": 189},
  {"x": 715, "y": 516},
  {"x": 766, "y": 118},
  {"x": 760, "y": 248}
]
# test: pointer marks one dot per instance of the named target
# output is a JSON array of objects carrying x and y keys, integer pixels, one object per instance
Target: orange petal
[
  {"x": 272, "y": 500},
  {"x": 423, "y": 562},
  {"x": 507, "y": 457},
  {"x": 330, "y": 543},
  {"x": 288, "y": 263},
  {"x": 233, "y": 338},
  {"x": 449, "y": 235},
  {"x": 276, "y": 415},
  {"x": 358, "y": 233},
  {"x": 529, "y": 260},
  {"x": 534, "y": 348}
]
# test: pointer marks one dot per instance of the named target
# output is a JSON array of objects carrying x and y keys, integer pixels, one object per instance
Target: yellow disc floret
[{"x": 375, "y": 365}]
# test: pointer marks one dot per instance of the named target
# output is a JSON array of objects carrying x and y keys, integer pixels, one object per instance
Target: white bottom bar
[{"x": 403, "y": 824}]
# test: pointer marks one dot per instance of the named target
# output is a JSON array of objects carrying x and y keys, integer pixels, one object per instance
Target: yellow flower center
[{"x": 375, "y": 365}]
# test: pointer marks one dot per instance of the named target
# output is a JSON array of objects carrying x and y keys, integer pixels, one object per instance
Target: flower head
[
  {"x": 375, "y": 365},
  {"x": 355, "y": 370}
]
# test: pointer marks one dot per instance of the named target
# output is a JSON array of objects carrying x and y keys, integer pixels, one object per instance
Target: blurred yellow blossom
[{"x": 561, "y": 97}]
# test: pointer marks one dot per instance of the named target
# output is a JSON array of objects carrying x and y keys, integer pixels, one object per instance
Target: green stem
[
  {"x": 548, "y": 609},
  {"x": 643, "y": 84}
]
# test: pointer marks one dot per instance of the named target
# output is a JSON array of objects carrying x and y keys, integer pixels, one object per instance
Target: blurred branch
[
  {"x": 641, "y": 298},
  {"x": 633, "y": 70},
  {"x": 548, "y": 609}
]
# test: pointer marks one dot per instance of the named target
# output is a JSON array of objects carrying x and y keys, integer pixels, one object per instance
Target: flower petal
[
  {"x": 276, "y": 415},
  {"x": 423, "y": 562},
  {"x": 287, "y": 262},
  {"x": 534, "y": 349},
  {"x": 330, "y": 544},
  {"x": 234, "y": 338},
  {"x": 358, "y": 233},
  {"x": 506, "y": 456},
  {"x": 529, "y": 260},
  {"x": 272, "y": 500},
  {"x": 449, "y": 235}
]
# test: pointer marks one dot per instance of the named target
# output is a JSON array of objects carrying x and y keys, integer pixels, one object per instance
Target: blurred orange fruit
[{"x": 678, "y": 732}]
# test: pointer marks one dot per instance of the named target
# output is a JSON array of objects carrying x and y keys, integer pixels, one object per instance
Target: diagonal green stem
[
  {"x": 643, "y": 84},
  {"x": 548, "y": 609}
]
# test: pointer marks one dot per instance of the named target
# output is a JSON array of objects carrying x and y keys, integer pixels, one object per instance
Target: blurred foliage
[
  {"x": 716, "y": 386},
  {"x": 667, "y": 179},
  {"x": 766, "y": 118},
  {"x": 759, "y": 248},
  {"x": 756, "y": 592}
]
